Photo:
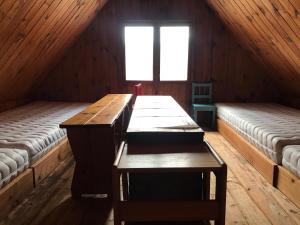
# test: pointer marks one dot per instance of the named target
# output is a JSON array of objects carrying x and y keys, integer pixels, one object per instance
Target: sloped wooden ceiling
[
  {"x": 33, "y": 34},
  {"x": 95, "y": 64},
  {"x": 271, "y": 30}
]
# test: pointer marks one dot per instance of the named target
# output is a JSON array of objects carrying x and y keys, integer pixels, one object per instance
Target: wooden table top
[
  {"x": 160, "y": 115},
  {"x": 203, "y": 159},
  {"x": 102, "y": 113}
]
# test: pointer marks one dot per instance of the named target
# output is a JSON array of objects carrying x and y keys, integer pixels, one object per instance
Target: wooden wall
[
  {"x": 270, "y": 29},
  {"x": 94, "y": 66},
  {"x": 33, "y": 35}
]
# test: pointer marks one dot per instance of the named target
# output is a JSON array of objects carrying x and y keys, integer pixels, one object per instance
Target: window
[
  {"x": 174, "y": 49},
  {"x": 139, "y": 53},
  {"x": 144, "y": 43}
]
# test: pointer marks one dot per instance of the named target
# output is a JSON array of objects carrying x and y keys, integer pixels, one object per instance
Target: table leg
[
  {"x": 221, "y": 179},
  {"x": 206, "y": 185},
  {"x": 116, "y": 196}
]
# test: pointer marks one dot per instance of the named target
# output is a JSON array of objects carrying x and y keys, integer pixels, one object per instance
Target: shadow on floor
[{"x": 79, "y": 212}]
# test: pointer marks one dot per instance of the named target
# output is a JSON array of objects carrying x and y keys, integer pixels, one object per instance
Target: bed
[
  {"x": 268, "y": 136},
  {"x": 31, "y": 146},
  {"x": 291, "y": 159},
  {"x": 267, "y": 126},
  {"x": 12, "y": 163},
  {"x": 35, "y": 127}
]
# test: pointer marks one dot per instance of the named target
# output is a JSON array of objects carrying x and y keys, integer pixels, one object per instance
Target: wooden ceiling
[
  {"x": 33, "y": 34},
  {"x": 271, "y": 30}
]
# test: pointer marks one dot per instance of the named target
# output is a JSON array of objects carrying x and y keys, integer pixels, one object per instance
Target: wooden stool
[{"x": 204, "y": 161}]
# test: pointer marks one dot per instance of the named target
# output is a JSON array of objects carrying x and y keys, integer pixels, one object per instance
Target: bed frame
[
  {"x": 289, "y": 185},
  {"x": 18, "y": 189},
  {"x": 275, "y": 174},
  {"x": 15, "y": 191},
  {"x": 45, "y": 165}
]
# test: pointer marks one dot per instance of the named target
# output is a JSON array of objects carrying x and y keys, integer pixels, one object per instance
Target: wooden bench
[
  {"x": 183, "y": 206},
  {"x": 95, "y": 135}
]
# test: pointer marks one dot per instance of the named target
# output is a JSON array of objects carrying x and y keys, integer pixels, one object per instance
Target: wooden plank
[
  {"x": 282, "y": 38},
  {"x": 182, "y": 161},
  {"x": 272, "y": 33},
  {"x": 33, "y": 35},
  {"x": 4, "y": 106},
  {"x": 14, "y": 47},
  {"x": 45, "y": 166},
  {"x": 94, "y": 158},
  {"x": 289, "y": 184},
  {"x": 265, "y": 35},
  {"x": 239, "y": 203},
  {"x": 263, "y": 164},
  {"x": 15, "y": 192},
  {"x": 148, "y": 124},
  {"x": 257, "y": 187},
  {"x": 8, "y": 11},
  {"x": 58, "y": 31},
  {"x": 102, "y": 113},
  {"x": 168, "y": 211},
  {"x": 283, "y": 9},
  {"x": 49, "y": 200},
  {"x": 237, "y": 29},
  {"x": 19, "y": 20},
  {"x": 63, "y": 42}
]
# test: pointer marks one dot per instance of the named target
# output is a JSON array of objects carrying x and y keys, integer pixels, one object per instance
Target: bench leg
[
  {"x": 206, "y": 186},
  {"x": 195, "y": 115},
  {"x": 221, "y": 184},
  {"x": 116, "y": 196},
  {"x": 213, "y": 119}
]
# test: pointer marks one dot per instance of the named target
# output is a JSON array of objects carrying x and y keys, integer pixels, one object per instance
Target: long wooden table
[
  {"x": 160, "y": 119},
  {"x": 95, "y": 135}
]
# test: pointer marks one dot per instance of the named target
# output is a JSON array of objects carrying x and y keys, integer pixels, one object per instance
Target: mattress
[
  {"x": 12, "y": 162},
  {"x": 291, "y": 159},
  {"x": 268, "y": 126},
  {"x": 35, "y": 127}
]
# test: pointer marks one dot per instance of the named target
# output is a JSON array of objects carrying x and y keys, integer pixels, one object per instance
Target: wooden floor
[{"x": 250, "y": 199}]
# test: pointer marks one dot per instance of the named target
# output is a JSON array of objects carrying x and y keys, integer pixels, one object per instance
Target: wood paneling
[
  {"x": 94, "y": 66},
  {"x": 33, "y": 35},
  {"x": 271, "y": 30}
]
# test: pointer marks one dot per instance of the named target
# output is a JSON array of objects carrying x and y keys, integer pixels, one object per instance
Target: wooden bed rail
[{"x": 275, "y": 174}]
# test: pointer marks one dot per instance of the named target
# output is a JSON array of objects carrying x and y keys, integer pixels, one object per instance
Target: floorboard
[{"x": 250, "y": 198}]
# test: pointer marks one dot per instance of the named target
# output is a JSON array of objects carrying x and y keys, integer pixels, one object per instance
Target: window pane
[
  {"x": 139, "y": 53},
  {"x": 174, "y": 50}
]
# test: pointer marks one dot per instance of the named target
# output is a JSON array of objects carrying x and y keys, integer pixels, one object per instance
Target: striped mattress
[
  {"x": 291, "y": 159},
  {"x": 12, "y": 163},
  {"x": 35, "y": 127},
  {"x": 269, "y": 127}
]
